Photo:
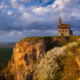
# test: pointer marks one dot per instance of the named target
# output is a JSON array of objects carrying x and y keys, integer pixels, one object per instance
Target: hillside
[{"x": 49, "y": 58}]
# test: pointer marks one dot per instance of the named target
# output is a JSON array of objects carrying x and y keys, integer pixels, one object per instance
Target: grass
[
  {"x": 5, "y": 54},
  {"x": 32, "y": 38}
]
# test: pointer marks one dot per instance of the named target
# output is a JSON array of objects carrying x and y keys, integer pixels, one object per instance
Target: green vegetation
[
  {"x": 54, "y": 41},
  {"x": 5, "y": 54},
  {"x": 58, "y": 64},
  {"x": 32, "y": 38},
  {"x": 68, "y": 38}
]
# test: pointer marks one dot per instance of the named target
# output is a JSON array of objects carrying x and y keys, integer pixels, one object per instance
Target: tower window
[
  {"x": 59, "y": 30},
  {"x": 63, "y": 30},
  {"x": 66, "y": 30}
]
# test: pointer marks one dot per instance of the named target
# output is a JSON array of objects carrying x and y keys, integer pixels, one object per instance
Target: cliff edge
[
  {"x": 29, "y": 51},
  {"x": 24, "y": 55}
]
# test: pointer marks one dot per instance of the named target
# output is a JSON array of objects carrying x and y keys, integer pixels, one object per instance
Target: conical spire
[{"x": 60, "y": 22}]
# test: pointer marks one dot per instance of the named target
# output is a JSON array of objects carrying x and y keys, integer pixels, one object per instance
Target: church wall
[
  {"x": 71, "y": 33},
  {"x": 63, "y": 32}
]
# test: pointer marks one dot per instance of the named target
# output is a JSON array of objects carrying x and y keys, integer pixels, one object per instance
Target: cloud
[
  {"x": 46, "y": 1},
  {"x": 9, "y": 12},
  {"x": 25, "y": 0},
  {"x": 15, "y": 4},
  {"x": 25, "y": 18},
  {"x": 64, "y": 8},
  {"x": 42, "y": 10},
  {"x": 1, "y": 5}
]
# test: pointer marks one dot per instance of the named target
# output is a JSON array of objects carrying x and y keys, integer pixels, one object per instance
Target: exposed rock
[
  {"x": 78, "y": 60},
  {"x": 22, "y": 59},
  {"x": 79, "y": 51}
]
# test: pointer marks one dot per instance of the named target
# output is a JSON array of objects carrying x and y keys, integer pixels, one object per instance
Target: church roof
[{"x": 64, "y": 26}]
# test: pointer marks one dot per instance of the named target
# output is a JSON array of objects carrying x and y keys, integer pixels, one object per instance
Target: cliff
[
  {"x": 30, "y": 59},
  {"x": 24, "y": 55}
]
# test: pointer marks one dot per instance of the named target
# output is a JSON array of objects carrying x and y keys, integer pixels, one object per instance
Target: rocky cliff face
[{"x": 24, "y": 54}]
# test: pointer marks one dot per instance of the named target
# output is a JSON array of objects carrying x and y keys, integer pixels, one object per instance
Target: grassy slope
[
  {"x": 66, "y": 39},
  {"x": 39, "y": 38},
  {"x": 54, "y": 41}
]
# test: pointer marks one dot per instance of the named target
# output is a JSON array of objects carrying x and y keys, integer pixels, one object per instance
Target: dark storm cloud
[{"x": 41, "y": 26}]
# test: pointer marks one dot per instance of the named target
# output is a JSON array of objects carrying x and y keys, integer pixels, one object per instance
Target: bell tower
[{"x": 60, "y": 22}]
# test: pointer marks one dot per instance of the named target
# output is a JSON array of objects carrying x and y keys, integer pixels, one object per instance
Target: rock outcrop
[
  {"x": 24, "y": 54},
  {"x": 78, "y": 60}
]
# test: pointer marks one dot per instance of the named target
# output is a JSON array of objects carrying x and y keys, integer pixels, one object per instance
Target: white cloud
[
  {"x": 58, "y": 4},
  {"x": 20, "y": 32},
  {"x": 14, "y": 32},
  {"x": 2, "y": 5},
  {"x": 61, "y": 8},
  {"x": 26, "y": 15},
  {"x": 29, "y": 18},
  {"x": 9, "y": 12},
  {"x": 41, "y": 10},
  {"x": 15, "y": 4},
  {"x": 11, "y": 33}
]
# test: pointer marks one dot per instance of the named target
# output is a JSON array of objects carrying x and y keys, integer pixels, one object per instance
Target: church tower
[
  {"x": 60, "y": 22},
  {"x": 64, "y": 29}
]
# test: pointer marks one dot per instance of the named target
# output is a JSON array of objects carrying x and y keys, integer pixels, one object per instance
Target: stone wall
[{"x": 63, "y": 32}]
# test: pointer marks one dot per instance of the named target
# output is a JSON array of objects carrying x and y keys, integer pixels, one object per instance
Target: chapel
[{"x": 64, "y": 29}]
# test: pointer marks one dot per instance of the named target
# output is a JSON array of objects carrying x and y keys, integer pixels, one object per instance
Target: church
[{"x": 64, "y": 29}]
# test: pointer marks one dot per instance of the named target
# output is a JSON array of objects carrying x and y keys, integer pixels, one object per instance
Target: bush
[
  {"x": 51, "y": 67},
  {"x": 72, "y": 47}
]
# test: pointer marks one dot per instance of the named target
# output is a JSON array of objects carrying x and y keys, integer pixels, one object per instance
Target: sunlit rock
[{"x": 23, "y": 56}]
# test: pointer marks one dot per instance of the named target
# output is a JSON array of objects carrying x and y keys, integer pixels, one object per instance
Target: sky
[{"x": 28, "y": 18}]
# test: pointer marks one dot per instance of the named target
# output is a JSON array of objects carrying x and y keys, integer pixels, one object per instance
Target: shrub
[
  {"x": 72, "y": 47},
  {"x": 51, "y": 67}
]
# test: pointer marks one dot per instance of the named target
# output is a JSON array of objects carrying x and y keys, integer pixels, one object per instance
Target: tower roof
[
  {"x": 64, "y": 26},
  {"x": 60, "y": 19},
  {"x": 60, "y": 22}
]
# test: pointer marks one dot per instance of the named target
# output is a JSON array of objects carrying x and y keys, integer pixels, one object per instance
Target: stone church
[{"x": 64, "y": 29}]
